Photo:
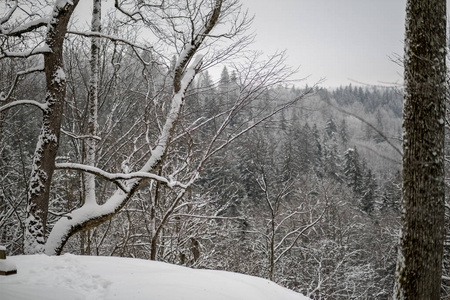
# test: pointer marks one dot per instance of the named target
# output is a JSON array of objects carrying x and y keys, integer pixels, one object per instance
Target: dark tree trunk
[
  {"x": 48, "y": 141},
  {"x": 419, "y": 265}
]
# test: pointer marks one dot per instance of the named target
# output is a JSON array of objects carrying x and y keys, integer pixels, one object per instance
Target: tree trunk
[
  {"x": 48, "y": 140},
  {"x": 419, "y": 266},
  {"x": 92, "y": 126}
]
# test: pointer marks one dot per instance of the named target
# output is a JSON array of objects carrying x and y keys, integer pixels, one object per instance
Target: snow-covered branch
[
  {"x": 85, "y": 217},
  {"x": 208, "y": 217},
  {"x": 192, "y": 47},
  {"x": 27, "y": 27},
  {"x": 177, "y": 101},
  {"x": 119, "y": 176},
  {"x": 41, "y": 106},
  {"x": 25, "y": 54}
]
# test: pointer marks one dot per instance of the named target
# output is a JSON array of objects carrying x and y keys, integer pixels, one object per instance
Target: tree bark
[
  {"x": 48, "y": 140},
  {"x": 92, "y": 126},
  {"x": 419, "y": 265}
]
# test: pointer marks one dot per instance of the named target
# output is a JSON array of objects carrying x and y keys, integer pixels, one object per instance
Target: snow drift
[{"x": 72, "y": 277}]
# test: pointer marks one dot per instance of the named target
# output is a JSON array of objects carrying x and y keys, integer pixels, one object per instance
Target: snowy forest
[{"x": 153, "y": 133}]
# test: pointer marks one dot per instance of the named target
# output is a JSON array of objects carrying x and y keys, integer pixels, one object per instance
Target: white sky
[{"x": 343, "y": 41}]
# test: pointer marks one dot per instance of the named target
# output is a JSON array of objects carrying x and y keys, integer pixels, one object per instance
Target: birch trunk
[{"x": 92, "y": 128}]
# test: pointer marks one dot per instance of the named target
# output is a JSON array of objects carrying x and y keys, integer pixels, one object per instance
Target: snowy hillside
[{"x": 71, "y": 277}]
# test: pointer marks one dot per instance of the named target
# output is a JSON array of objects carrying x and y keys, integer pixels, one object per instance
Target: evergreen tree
[
  {"x": 392, "y": 192},
  {"x": 317, "y": 152},
  {"x": 331, "y": 159},
  {"x": 224, "y": 77},
  {"x": 343, "y": 133},
  {"x": 330, "y": 128},
  {"x": 369, "y": 196},
  {"x": 352, "y": 171}
]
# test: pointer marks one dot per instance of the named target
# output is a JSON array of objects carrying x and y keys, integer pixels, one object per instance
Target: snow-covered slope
[{"x": 71, "y": 277}]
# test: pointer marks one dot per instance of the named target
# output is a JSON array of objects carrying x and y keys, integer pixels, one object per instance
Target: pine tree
[
  {"x": 331, "y": 158},
  {"x": 330, "y": 128},
  {"x": 343, "y": 133},
  {"x": 317, "y": 152},
  {"x": 369, "y": 195},
  {"x": 392, "y": 192},
  {"x": 352, "y": 171}
]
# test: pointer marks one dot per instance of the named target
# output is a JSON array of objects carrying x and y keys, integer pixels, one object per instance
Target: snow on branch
[
  {"x": 25, "y": 54},
  {"x": 208, "y": 217},
  {"x": 191, "y": 48},
  {"x": 119, "y": 176},
  {"x": 42, "y": 106},
  {"x": 177, "y": 101},
  {"x": 27, "y": 27},
  {"x": 91, "y": 215}
]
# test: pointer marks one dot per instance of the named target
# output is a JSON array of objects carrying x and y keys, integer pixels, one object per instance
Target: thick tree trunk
[
  {"x": 419, "y": 266},
  {"x": 48, "y": 140}
]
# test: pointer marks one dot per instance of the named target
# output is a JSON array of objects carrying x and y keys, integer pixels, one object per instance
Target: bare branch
[
  {"x": 72, "y": 135},
  {"x": 368, "y": 124},
  {"x": 110, "y": 37},
  {"x": 208, "y": 217},
  {"x": 16, "y": 80},
  {"x": 131, "y": 15},
  {"x": 8, "y": 14},
  {"x": 299, "y": 235}
]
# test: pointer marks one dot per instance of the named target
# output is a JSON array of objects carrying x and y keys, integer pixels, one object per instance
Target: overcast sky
[{"x": 343, "y": 41}]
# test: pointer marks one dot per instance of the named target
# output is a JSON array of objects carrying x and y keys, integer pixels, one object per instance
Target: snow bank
[{"x": 71, "y": 277}]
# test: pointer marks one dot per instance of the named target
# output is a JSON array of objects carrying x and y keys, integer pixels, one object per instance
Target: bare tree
[{"x": 161, "y": 148}]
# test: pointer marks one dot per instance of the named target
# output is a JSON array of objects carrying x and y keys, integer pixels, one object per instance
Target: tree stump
[{"x": 6, "y": 267}]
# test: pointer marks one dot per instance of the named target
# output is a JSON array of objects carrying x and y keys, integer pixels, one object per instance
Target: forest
[{"x": 156, "y": 157}]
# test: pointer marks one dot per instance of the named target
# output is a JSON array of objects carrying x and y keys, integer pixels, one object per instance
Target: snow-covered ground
[{"x": 71, "y": 277}]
